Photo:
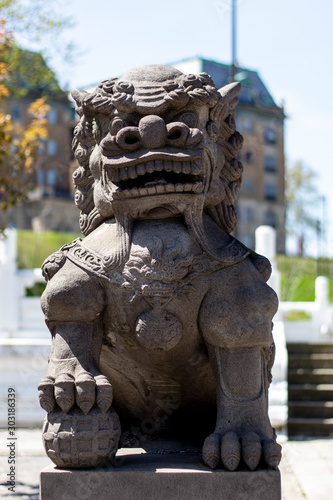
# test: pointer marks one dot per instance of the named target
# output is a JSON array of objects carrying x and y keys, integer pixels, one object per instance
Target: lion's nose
[{"x": 152, "y": 131}]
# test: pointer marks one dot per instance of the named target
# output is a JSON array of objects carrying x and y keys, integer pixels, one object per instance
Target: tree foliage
[
  {"x": 29, "y": 75},
  {"x": 302, "y": 198},
  {"x": 38, "y": 22},
  {"x": 18, "y": 146}
]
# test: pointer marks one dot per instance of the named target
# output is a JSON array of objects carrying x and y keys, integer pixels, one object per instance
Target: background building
[
  {"x": 259, "y": 119},
  {"x": 50, "y": 204},
  {"x": 261, "y": 122}
]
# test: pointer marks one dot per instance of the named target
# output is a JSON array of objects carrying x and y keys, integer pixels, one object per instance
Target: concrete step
[
  {"x": 310, "y": 392},
  {"x": 298, "y": 348},
  {"x": 310, "y": 376},
  {"x": 310, "y": 427},
  {"x": 310, "y": 409},
  {"x": 310, "y": 360}
]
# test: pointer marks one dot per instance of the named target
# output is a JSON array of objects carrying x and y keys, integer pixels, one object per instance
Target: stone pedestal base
[{"x": 139, "y": 475}]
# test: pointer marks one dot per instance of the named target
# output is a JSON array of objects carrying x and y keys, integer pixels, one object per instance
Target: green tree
[
  {"x": 24, "y": 74},
  {"x": 29, "y": 75},
  {"x": 18, "y": 146},
  {"x": 302, "y": 198},
  {"x": 37, "y": 24}
]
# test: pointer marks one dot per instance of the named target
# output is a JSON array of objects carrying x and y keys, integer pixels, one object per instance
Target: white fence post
[
  {"x": 265, "y": 237},
  {"x": 9, "y": 289},
  {"x": 322, "y": 316}
]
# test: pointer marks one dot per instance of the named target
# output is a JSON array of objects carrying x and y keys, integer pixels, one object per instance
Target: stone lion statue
[{"x": 158, "y": 311}]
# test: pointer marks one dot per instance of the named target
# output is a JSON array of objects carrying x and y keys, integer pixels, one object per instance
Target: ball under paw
[{"x": 73, "y": 440}]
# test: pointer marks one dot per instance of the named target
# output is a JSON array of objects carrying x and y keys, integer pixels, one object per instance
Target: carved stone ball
[
  {"x": 74, "y": 440},
  {"x": 158, "y": 330}
]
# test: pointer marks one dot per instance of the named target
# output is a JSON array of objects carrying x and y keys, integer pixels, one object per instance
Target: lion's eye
[
  {"x": 189, "y": 118},
  {"x": 116, "y": 124}
]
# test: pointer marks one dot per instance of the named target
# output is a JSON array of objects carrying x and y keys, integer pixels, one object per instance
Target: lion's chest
[{"x": 160, "y": 289}]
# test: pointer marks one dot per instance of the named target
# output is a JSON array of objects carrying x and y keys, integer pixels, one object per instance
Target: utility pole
[{"x": 233, "y": 39}]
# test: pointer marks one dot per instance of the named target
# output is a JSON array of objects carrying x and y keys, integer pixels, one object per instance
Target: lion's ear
[
  {"x": 223, "y": 112},
  {"x": 229, "y": 95},
  {"x": 78, "y": 96}
]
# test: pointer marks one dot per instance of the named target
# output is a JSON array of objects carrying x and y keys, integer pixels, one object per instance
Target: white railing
[{"x": 318, "y": 325}]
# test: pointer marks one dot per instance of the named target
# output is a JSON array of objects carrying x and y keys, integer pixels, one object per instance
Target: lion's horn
[
  {"x": 231, "y": 90},
  {"x": 78, "y": 96}
]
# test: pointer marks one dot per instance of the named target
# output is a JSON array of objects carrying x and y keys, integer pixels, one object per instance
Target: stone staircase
[{"x": 310, "y": 390}]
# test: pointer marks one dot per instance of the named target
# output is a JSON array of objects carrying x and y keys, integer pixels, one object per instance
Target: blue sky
[{"x": 290, "y": 43}]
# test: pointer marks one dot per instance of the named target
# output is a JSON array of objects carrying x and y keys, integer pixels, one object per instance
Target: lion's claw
[
  {"x": 64, "y": 391},
  {"x": 251, "y": 449},
  {"x": 211, "y": 450},
  {"x": 230, "y": 449},
  {"x": 84, "y": 390},
  {"x": 272, "y": 453},
  {"x": 104, "y": 393},
  {"x": 45, "y": 394}
]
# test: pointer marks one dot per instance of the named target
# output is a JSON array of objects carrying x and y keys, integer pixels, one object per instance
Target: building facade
[
  {"x": 261, "y": 122},
  {"x": 259, "y": 119}
]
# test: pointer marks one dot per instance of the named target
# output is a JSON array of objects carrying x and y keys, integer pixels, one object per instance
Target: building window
[
  {"x": 270, "y": 192},
  {"x": 40, "y": 177},
  {"x": 52, "y": 116},
  {"x": 270, "y": 219},
  {"x": 247, "y": 127},
  {"x": 52, "y": 147},
  {"x": 270, "y": 164},
  {"x": 248, "y": 214},
  {"x": 16, "y": 112},
  {"x": 51, "y": 177},
  {"x": 269, "y": 135},
  {"x": 248, "y": 156},
  {"x": 248, "y": 186}
]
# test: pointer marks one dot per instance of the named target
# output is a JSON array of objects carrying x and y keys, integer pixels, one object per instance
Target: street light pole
[{"x": 233, "y": 39}]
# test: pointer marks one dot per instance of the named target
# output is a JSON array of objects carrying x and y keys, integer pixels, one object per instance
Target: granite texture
[
  {"x": 158, "y": 311},
  {"x": 163, "y": 477}
]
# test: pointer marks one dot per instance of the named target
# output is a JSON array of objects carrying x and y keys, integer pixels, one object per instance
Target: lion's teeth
[
  {"x": 196, "y": 168},
  {"x": 177, "y": 167},
  {"x": 143, "y": 191},
  {"x": 160, "y": 189},
  {"x": 151, "y": 190},
  {"x": 135, "y": 192},
  {"x": 168, "y": 165},
  {"x": 150, "y": 166},
  {"x": 179, "y": 188},
  {"x": 169, "y": 188},
  {"x": 186, "y": 167},
  {"x": 132, "y": 172},
  {"x": 123, "y": 174},
  {"x": 114, "y": 175},
  {"x": 188, "y": 187},
  {"x": 158, "y": 165},
  {"x": 198, "y": 187},
  {"x": 141, "y": 169},
  {"x": 119, "y": 194}
]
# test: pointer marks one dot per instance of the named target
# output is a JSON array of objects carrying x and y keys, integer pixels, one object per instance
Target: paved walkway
[{"x": 306, "y": 467}]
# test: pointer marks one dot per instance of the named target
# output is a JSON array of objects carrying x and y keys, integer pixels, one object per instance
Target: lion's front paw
[
  {"x": 84, "y": 389},
  {"x": 229, "y": 449}
]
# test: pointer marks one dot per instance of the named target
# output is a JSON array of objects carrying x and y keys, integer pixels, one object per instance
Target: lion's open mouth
[{"x": 156, "y": 177}]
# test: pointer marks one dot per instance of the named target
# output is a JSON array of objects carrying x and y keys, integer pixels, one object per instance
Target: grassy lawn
[
  {"x": 33, "y": 248},
  {"x": 298, "y": 274}
]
